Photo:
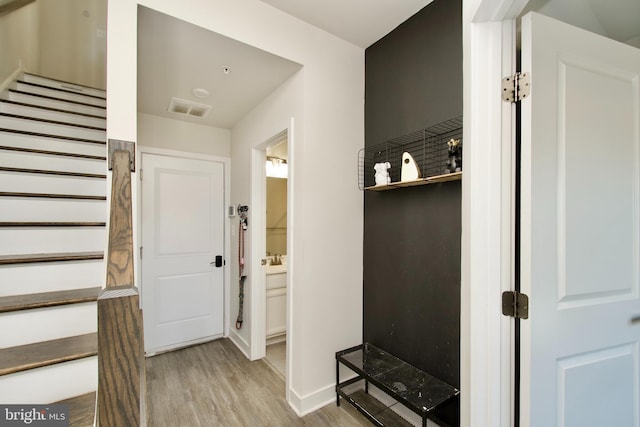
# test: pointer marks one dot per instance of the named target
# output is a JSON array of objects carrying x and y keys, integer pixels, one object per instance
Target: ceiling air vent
[{"x": 188, "y": 108}]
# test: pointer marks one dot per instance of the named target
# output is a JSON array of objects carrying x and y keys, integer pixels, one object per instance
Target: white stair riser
[
  {"x": 41, "y": 209},
  {"x": 51, "y": 383},
  {"x": 45, "y": 324},
  {"x": 50, "y": 277},
  {"x": 51, "y": 240},
  {"x": 51, "y": 128},
  {"x": 62, "y": 85},
  {"x": 23, "y": 110},
  {"x": 56, "y": 184},
  {"x": 52, "y": 103},
  {"x": 24, "y": 160},
  {"x": 51, "y": 144},
  {"x": 60, "y": 94}
]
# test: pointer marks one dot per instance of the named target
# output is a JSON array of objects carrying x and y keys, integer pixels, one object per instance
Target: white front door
[
  {"x": 580, "y": 228},
  {"x": 182, "y": 233}
]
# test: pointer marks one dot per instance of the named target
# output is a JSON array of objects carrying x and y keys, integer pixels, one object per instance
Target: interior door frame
[
  {"x": 137, "y": 196},
  {"x": 258, "y": 301},
  {"x": 258, "y": 305},
  {"x": 488, "y": 218}
]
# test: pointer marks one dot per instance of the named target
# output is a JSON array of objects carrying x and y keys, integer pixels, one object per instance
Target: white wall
[
  {"x": 19, "y": 41},
  {"x": 265, "y": 121},
  {"x": 55, "y": 39},
  {"x": 71, "y": 47},
  {"x": 326, "y": 99},
  {"x": 159, "y": 132}
]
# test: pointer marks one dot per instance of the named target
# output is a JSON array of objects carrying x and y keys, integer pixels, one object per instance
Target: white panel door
[
  {"x": 182, "y": 232},
  {"x": 580, "y": 228}
]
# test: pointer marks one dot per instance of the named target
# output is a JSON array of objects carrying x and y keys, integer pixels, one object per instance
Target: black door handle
[{"x": 219, "y": 261}]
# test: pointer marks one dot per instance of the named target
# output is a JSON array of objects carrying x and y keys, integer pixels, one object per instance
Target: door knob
[
  {"x": 219, "y": 262},
  {"x": 635, "y": 319}
]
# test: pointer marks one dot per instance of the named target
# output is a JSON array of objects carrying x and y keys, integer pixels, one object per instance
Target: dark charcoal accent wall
[
  {"x": 412, "y": 235},
  {"x": 413, "y": 76}
]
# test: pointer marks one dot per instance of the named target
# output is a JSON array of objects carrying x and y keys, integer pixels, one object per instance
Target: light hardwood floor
[
  {"x": 277, "y": 357},
  {"x": 213, "y": 384}
]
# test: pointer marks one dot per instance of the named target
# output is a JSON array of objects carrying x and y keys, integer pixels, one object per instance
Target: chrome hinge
[
  {"x": 515, "y": 88},
  {"x": 515, "y": 304}
]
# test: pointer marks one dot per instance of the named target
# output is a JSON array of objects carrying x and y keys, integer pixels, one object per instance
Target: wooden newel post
[{"x": 121, "y": 366}]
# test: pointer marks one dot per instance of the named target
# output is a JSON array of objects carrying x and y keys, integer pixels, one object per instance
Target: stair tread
[
  {"x": 63, "y": 256},
  {"x": 48, "y": 135},
  {"x": 81, "y": 409},
  {"x": 52, "y": 153},
  {"x": 60, "y": 81},
  {"x": 53, "y": 122},
  {"x": 71, "y": 92},
  {"x": 51, "y": 224},
  {"x": 53, "y": 98},
  {"x": 52, "y": 172},
  {"x": 48, "y": 299},
  {"x": 51, "y": 196},
  {"x": 36, "y": 355},
  {"x": 57, "y": 110}
]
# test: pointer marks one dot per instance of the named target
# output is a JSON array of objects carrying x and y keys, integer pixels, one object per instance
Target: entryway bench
[{"x": 414, "y": 388}]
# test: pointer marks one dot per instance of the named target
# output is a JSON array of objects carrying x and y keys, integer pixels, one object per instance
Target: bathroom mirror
[{"x": 276, "y": 216}]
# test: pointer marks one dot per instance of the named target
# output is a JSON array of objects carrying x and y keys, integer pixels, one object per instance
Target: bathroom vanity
[{"x": 276, "y": 303}]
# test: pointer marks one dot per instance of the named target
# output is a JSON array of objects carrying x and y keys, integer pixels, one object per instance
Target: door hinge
[
  {"x": 140, "y": 175},
  {"x": 515, "y": 88},
  {"x": 140, "y": 252},
  {"x": 515, "y": 304}
]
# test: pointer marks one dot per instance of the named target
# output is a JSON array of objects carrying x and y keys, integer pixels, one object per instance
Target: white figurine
[
  {"x": 410, "y": 169},
  {"x": 382, "y": 175}
]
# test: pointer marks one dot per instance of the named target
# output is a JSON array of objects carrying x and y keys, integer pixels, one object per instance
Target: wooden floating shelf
[{"x": 455, "y": 176}]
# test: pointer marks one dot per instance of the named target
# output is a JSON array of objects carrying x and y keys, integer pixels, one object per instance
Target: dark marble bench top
[{"x": 409, "y": 385}]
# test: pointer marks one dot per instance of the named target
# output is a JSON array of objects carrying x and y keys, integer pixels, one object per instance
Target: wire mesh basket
[{"x": 428, "y": 147}]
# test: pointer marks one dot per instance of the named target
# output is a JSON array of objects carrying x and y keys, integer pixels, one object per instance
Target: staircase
[{"x": 52, "y": 239}]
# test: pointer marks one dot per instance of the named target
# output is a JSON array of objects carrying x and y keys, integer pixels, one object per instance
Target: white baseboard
[
  {"x": 11, "y": 78},
  {"x": 276, "y": 339},
  {"x": 303, "y": 405},
  {"x": 239, "y": 342},
  {"x": 187, "y": 344}
]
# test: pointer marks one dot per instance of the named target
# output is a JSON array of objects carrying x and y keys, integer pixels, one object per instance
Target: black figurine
[{"x": 454, "y": 164}]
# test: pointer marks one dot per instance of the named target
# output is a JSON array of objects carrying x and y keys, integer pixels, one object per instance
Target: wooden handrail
[
  {"x": 121, "y": 366},
  {"x": 120, "y": 252}
]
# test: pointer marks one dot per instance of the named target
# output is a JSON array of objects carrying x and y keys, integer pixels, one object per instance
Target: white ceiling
[
  {"x": 361, "y": 22},
  {"x": 174, "y": 56}
]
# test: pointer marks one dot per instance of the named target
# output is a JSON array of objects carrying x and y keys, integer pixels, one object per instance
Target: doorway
[
  {"x": 183, "y": 243},
  {"x": 272, "y": 288},
  {"x": 276, "y": 179}
]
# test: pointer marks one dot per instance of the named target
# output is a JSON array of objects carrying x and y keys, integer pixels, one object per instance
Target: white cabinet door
[
  {"x": 580, "y": 228},
  {"x": 182, "y": 232}
]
